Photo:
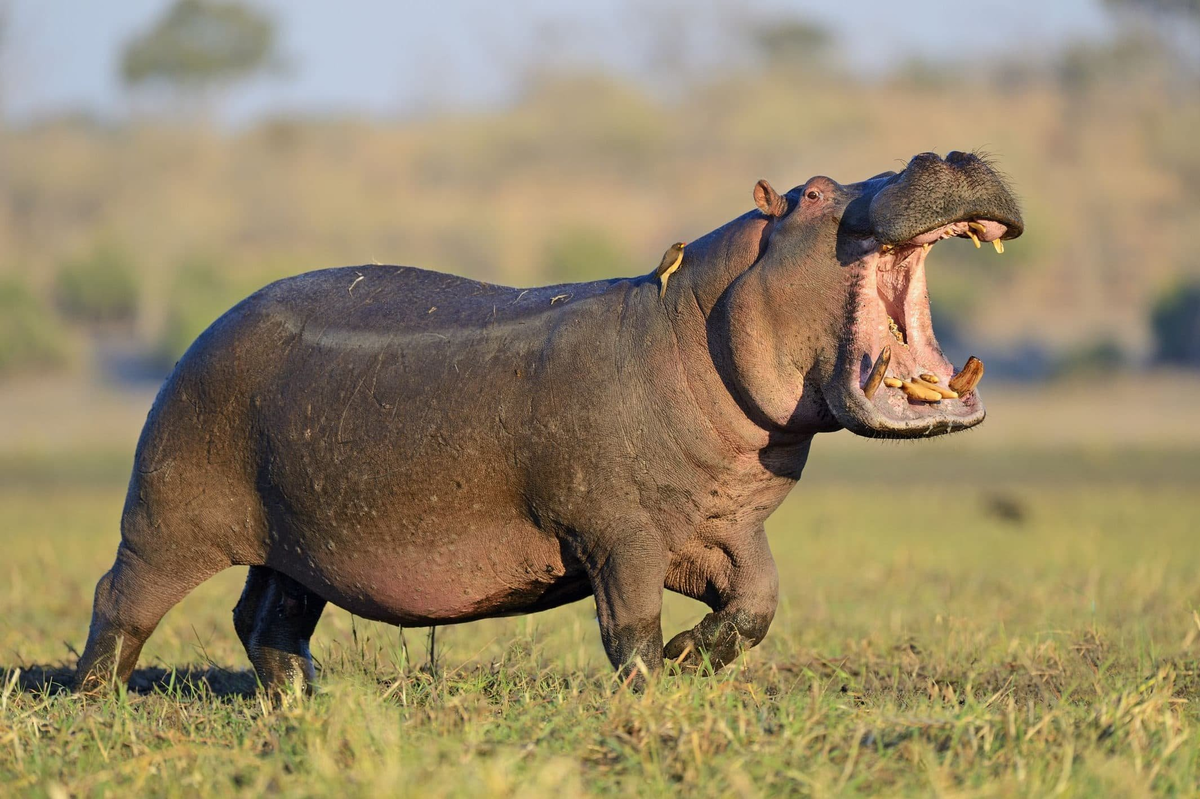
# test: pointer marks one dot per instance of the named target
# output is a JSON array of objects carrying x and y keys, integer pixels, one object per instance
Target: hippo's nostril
[{"x": 958, "y": 157}]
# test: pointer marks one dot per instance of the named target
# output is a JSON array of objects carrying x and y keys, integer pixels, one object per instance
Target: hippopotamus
[{"x": 424, "y": 449}]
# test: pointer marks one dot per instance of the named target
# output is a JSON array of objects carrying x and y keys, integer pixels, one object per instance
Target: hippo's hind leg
[
  {"x": 741, "y": 585},
  {"x": 130, "y": 601},
  {"x": 275, "y": 619}
]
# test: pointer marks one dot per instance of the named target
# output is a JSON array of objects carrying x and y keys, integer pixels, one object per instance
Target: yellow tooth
[
  {"x": 926, "y": 247},
  {"x": 972, "y": 229},
  {"x": 944, "y": 392},
  {"x": 877, "y": 372},
  {"x": 885, "y": 247},
  {"x": 928, "y": 377},
  {"x": 968, "y": 377},
  {"x": 892, "y": 382},
  {"x": 920, "y": 392},
  {"x": 999, "y": 245}
]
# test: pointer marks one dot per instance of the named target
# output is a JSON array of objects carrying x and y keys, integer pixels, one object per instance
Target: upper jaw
[
  {"x": 981, "y": 230},
  {"x": 932, "y": 192},
  {"x": 978, "y": 230}
]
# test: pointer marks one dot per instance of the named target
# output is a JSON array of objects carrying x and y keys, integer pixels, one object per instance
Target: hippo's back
[
  {"x": 316, "y": 339},
  {"x": 387, "y": 299}
]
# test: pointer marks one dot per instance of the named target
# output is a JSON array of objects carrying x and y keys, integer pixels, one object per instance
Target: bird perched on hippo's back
[{"x": 671, "y": 261}]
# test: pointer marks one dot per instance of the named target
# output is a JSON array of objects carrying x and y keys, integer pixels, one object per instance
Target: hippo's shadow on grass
[{"x": 183, "y": 682}]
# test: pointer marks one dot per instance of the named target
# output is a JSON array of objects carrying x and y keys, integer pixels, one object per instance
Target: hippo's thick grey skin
[{"x": 424, "y": 449}]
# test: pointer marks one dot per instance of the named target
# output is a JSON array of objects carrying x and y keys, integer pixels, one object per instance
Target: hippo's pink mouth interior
[{"x": 913, "y": 394}]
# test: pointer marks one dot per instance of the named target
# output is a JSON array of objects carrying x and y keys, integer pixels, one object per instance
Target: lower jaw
[
  {"x": 893, "y": 412},
  {"x": 896, "y": 416},
  {"x": 912, "y": 396}
]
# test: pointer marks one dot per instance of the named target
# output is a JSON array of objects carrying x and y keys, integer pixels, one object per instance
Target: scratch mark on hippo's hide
[
  {"x": 345, "y": 410},
  {"x": 383, "y": 406},
  {"x": 355, "y": 283},
  {"x": 166, "y": 464}
]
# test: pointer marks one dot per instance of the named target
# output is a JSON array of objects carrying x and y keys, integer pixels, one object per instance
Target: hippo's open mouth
[
  {"x": 909, "y": 386},
  {"x": 892, "y": 379}
]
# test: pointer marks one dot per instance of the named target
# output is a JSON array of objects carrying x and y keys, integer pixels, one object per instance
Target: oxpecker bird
[{"x": 671, "y": 260}]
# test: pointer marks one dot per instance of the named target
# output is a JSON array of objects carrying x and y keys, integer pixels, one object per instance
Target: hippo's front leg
[
  {"x": 628, "y": 586},
  {"x": 739, "y": 581}
]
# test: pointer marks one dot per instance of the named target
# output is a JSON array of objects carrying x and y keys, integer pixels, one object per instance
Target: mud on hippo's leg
[
  {"x": 718, "y": 639},
  {"x": 628, "y": 586},
  {"x": 275, "y": 619},
  {"x": 245, "y": 613},
  {"x": 742, "y": 588}
]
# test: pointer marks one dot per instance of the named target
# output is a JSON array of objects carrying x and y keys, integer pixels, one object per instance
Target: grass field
[{"x": 1012, "y": 611}]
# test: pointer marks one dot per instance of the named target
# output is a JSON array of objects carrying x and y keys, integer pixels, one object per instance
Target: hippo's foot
[
  {"x": 685, "y": 652},
  {"x": 275, "y": 619},
  {"x": 741, "y": 585},
  {"x": 717, "y": 640}
]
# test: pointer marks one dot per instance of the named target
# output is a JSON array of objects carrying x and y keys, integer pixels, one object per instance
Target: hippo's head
[{"x": 835, "y": 308}]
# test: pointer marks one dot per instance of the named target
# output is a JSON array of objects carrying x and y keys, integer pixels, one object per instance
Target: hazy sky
[{"x": 393, "y": 57}]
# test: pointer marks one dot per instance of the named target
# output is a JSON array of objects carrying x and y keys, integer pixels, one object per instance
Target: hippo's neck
[
  {"x": 712, "y": 264},
  {"x": 714, "y": 261},
  {"x": 759, "y": 331}
]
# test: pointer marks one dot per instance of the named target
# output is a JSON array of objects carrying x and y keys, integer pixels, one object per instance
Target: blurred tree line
[
  {"x": 150, "y": 229},
  {"x": 200, "y": 48}
]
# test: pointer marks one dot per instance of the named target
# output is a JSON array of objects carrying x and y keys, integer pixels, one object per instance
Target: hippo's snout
[{"x": 933, "y": 192}]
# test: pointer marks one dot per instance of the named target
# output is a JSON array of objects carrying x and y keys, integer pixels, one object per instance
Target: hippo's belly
[{"x": 420, "y": 579}]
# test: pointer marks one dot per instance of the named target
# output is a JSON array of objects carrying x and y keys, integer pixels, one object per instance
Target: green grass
[{"x": 933, "y": 636}]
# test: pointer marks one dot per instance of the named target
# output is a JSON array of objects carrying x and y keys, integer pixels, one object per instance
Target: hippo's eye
[{"x": 813, "y": 194}]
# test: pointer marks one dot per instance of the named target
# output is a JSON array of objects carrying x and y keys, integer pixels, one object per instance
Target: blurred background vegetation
[{"x": 123, "y": 234}]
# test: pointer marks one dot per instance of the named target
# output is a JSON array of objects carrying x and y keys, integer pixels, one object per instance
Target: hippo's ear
[{"x": 768, "y": 200}]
